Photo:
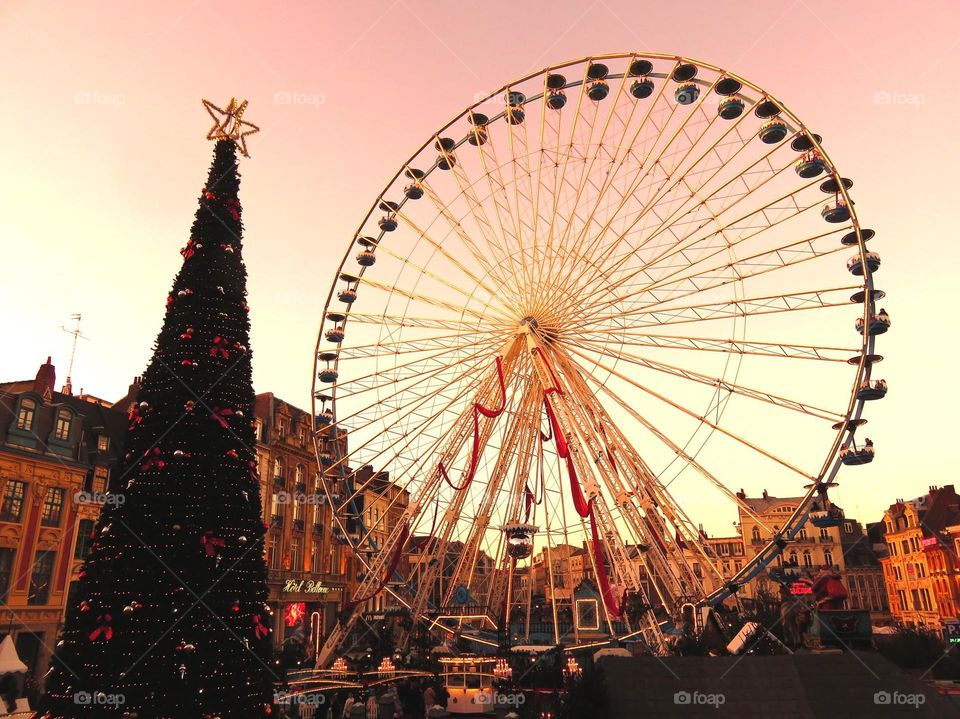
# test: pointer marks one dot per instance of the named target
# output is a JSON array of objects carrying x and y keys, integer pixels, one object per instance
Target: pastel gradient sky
[{"x": 104, "y": 155}]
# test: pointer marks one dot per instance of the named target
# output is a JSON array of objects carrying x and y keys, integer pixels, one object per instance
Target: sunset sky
[{"x": 104, "y": 156}]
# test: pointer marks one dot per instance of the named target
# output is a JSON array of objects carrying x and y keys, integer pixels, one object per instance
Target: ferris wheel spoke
[
  {"x": 411, "y": 436},
  {"x": 770, "y": 215},
  {"x": 657, "y": 315},
  {"x": 398, "y": 347},
  {"x": 701, "y": 418},
  {"x": 577, "y": 348},
  {"x": 433, "y": 323},
  {"x": 622, "y": 445},
  {"x": 484, "y": 315},
  {"x": 424, "y": 272},
  {"x": 413, "y": 369},
  {"x": 628, "y": 336},
  {"x": 671, "y": 287},
  {"x": 694, "y": 112},
  {"x": 585, "y": 173},
  {"x": 475, "y": 252}
]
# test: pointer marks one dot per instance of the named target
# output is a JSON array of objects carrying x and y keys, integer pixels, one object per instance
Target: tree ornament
[
  {"x": 230, "y": 125},
  {"x": 187, "y": 334}
]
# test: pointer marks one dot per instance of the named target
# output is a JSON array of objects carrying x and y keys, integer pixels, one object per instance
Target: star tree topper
[{"x": 229, "y": 124}]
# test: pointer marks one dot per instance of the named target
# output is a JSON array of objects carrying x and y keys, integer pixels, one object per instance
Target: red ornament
[
  {"x": 220, "y": 416},
  {"x": 187, "y": 334},
  {"x": 188, "y": 251},
  {"x": 259, "y": 629},
  {"x": 104, "y": 630},
  {"x": 211, "y": 544},
  {"x": 219, "y": 348},
  {"x": 208, "y": 195},
  {"x": 234, "y": 206},
  {"x": 232, "y": 453},
  {"x": 188, "y": 405},
  {"x": 151, "y": 460}
]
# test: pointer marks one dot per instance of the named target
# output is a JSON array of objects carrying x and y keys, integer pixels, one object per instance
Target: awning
[{"x": 9, "y": 659}]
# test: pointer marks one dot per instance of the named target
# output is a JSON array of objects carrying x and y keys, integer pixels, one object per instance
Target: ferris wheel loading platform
[{"x": 849, "y": 685}]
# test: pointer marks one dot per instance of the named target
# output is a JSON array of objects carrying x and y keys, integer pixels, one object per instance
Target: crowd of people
[{"x": 408, "y": 699}]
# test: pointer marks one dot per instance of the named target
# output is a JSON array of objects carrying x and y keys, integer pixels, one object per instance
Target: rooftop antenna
[{"x": 68, "y": 386}]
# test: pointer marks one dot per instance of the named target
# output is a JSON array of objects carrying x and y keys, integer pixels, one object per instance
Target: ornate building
[
  {"x": 57, "y": 453},
  {"x": 921, "y": 566},
  {"x": 862, "y": 552},
  {"x": 811, "y": 548},
  {"x": 309, "y": 570},
  {"x": 311, "y": 566}
]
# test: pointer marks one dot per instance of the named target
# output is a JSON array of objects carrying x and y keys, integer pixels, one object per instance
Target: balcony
[
  {"x": 298, "y": 525},
  {"x": 827, "y": 540},
  {"x": 301, "y": 488},
  {"x": 318, "y": 528},
  {"x": 279, "y": 481},
  {"x": 277, "y": 521}
]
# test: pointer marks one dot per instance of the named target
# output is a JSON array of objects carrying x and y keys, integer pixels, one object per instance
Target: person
[
  {"x": 429, "y": 698},
  {"x": 348, "y": 706}
]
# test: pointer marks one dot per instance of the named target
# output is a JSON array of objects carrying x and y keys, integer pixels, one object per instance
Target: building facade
[
  {"x": 811, "y": 549},
  {"x": 308, "y": 571},
  {"x": 921, "y": 567},
  {"x": 58, "y": 453}
]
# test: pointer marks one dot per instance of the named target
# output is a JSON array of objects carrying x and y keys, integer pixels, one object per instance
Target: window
[
  {"x": 807, "y": 559},
  {"x": 802, "y": 534},
  {"x": 793, "y": 557},
  {"x": 63, "y": 426},
  {"x": 588, "y": 615},
  {"x": 11, "y": 509},
  {"x": 848, "y": 527},
  {"x": 738, "y": 565},
  {"x": 295, "y": 563},
  {"x": 40, "y": 579},
  {"x": 755, "y": 534},
  {"x": 274, "y": 552},
  {"x": 298, "y": 502},
  {"x": 824, "y": 533},
  {"x": 277, "y": 468},
  {"x": 6, "y": 570},
  {"x": 258, "y": 430},
  {"x": 101, "y": 477},
  {"x": 281, "y": 428},
  {"x": 103, "y": 443},
  {"x": 84, "y": 538},
  {"x": 52, "y": 507},
  {"x": 26, "y": 413},
  {"x": 316, "y": 558},
  {"x": 828, "y": 558},
  {"x": 299, "y": 474}
]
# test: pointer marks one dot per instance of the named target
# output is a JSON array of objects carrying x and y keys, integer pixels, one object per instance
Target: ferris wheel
[{"x": 581, "y": 316}]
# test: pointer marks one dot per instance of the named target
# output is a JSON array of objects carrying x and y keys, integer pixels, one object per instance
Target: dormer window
[
  {"x": 103, "y": 443},
  {"x": 63, "y": 426},
  {"x": 26, "y": 414}
]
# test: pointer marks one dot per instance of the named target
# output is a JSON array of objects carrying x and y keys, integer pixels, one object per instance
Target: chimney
[
  {"x": 45, "y": 380},
  {"x": 765, "y": 495}
]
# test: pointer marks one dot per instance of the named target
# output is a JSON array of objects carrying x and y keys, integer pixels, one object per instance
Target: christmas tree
[{"x": 169, "y": 619}]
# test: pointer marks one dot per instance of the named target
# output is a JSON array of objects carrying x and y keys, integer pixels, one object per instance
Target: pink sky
[{"x": 105, "y": 155}]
